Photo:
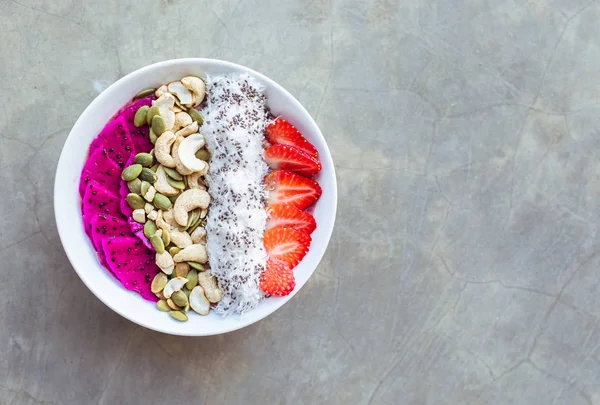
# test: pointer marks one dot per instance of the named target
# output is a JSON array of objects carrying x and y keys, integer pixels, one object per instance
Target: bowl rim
[{"x": 62, "y": 228}]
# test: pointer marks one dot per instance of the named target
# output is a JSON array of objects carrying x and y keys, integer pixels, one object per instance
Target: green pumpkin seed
[
  {"x": 192, "y": 277},
  {"x": 151, "y": 113},
  {"x": 180, "y": 185},
  {"x": 196, "y": 116},
  {"x": 153, "y": 137},
  {"x": 158, "y": 125},
  {"x": 162, "y": 306},
  {"x": 174, "y": 250},
  {"x": 180, "y": 298},
  {"x": 147, "y": 174},
  {"x": 144, "y": 187},
  {"x": 149, "y": 229},
  {"x": 172, "y": 173},
  {"x": 174, "y": 198},
  {"x": 192, "y": 217},
  {"x": 172, "y": 305},
  {"x": 140, "y": 116},
  {"x": 186, "y": 309},
  {"x": 193, "y": 226},
  {"x": 157, "y": 244},
  {"x": 135, "y": 201},
  {"x": 135, "y": 186},
  {"x": 158, "y": 283},
  {"x": 145, "y": 159},
  {"x": 162, "y": 202},
  {"x": 196, "y": 223},
  {"x": 197, "y": 266},
  {"x": 145, "y": 93},
  {"x": 166, "y": 237},
  {"x": 203, "y": 154},
  {"x": 131, "y": 172},
  {"x": 185, "y": 181},
  {"x": 178, "y": 315}
]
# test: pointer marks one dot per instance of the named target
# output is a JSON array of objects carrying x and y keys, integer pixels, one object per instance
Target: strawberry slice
[
  {"x": 278, "y": 278},
  {"x": 284, "y": 133},
  {"x": 285, "y": 187},
  {"x": 293, "y": 159},
  {"x": 286, "y": 244},
  {"x": 287, "y": 216}
]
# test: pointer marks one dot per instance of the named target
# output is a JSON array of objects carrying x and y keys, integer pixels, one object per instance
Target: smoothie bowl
[{"x": 195, "y": 196}]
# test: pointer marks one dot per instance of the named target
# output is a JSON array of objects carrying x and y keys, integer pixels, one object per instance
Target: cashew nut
[
  {"x": 187, "y": 153},
  {"x": 180, "y": 239},
  {"x": 176, "y": 109},
  {"x": 153, "y": 215},
  {"x": 192, "y": 253},
  {"x": 162, "y": 149},
  {"x": 209, "y": 283},
  {"x": 149, "y": 196},
  {"x": 199, "y": 236},
  {"x": 175, "y": 153},
  {"x": 195, "y": 181},
  {"x": 197, "y": 86},
  {"x": 162, "y": 185},
  {"x": 160, "y": 91},
  {"x": 182, "y": 93},
  {"x": 139, "y": 215},
  {"x": 148, "y": 208},
  {"x": 165, "y": 102},
  {"x": 169, "y": 218},
  {"x": 169, "y": 118},
  {"x": 190, "y": 129},
  {"x": 182, "y": 119},
  {"x": 161, "y": 223},
  {"x": 196, "y": 100},
  {"x": 174, "y": 284},
  {"x": 165, "y": 262},
  {"x": 198, "y": 301},
  {"x": 187, "y": 201}
]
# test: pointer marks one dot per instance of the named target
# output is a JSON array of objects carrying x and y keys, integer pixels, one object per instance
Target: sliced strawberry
[
  {"x": 278, "y": 279},
  {"x": 285, "y": 187},
  {"x": 287, "y": 216},
  {"x": 282, "y": 132},
  {"x": 286, "y": 244},
  {"x": 292, "y": 159}
]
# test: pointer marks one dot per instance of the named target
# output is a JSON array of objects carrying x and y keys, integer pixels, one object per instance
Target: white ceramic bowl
[{"x": 67, "y": 203}]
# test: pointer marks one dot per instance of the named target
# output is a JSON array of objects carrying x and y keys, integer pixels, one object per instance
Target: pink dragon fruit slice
[
  {"x": 98, "y": 200},
  {"x": 108, "y": 226},
  {"x": 141, "y": 135},
  {"x": 116, "y": 140},
  {"x": 102, "y": 170},
  {"x": 132, "y": 264}
]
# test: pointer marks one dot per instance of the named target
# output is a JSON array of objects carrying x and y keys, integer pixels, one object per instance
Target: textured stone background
[{"x": 464, "y": 264}]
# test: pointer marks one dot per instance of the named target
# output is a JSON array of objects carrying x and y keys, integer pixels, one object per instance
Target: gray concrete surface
[{"x": 464, "y": 265}]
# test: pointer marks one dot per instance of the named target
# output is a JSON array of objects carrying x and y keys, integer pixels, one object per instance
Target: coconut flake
[{"x": 235, "y": 120}]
